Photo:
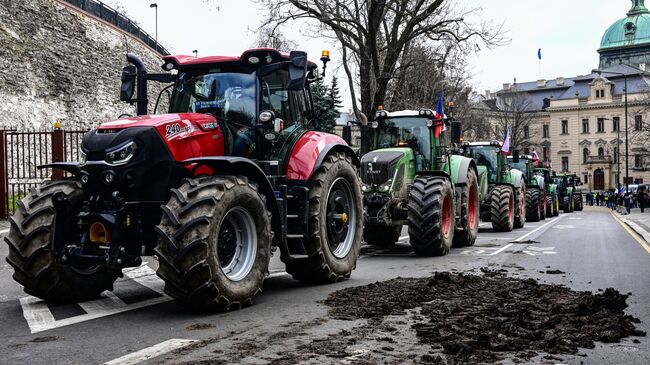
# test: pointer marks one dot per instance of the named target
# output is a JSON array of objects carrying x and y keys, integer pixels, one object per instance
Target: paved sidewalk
[{"x": 639, "y": 222}]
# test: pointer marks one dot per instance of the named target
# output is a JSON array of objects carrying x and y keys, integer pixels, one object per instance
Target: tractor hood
[
  {"x": 159, "y": 121},
  {"x": 377, "y": 167}
]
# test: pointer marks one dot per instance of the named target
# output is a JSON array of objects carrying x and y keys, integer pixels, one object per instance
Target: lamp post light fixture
[
  {"x": 627, "y": 144},
  {"x": 155, "y": 6},
  {"x": 196, "y": 53}
]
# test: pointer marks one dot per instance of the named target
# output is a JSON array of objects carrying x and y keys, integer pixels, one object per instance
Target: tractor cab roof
[
  {"x": 250, "y": 58},
  {"x": 522, "y": 157},
  {"x": 482, "y": 144}
]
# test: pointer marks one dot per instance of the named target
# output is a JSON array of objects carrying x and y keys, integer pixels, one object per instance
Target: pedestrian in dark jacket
[
  {"x": 642, "y": 198},
  {"x": 628, "y": 202}
]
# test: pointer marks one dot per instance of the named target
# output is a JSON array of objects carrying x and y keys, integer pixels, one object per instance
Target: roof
[
  {"x": 264, "y": 55},
  {"x": 632, "y": 30}
]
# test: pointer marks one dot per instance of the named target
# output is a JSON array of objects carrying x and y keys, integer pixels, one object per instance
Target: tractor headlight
[
  {"x": 365, "y": 188},
  {"x": 82, "y": 157},
  {"x": 121, "y": 155},
  {"x": 385, "y": 187}
]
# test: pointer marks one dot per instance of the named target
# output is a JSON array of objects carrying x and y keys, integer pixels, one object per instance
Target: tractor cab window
[
  {"x": 292, "y": 106},
  {"x": 410, "y": 132},
  {"x": 226, "y": 95},
  {"x": 560, "y": 182},
  {"x": 521, "y": 165},
  {"x": 486, "y": 156}
]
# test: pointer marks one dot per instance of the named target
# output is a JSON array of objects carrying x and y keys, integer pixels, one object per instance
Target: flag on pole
[
  {"x": 440, "y": 117},
  {"x": 505, "y": 146},
  {"x": 539, "y": 53},
  {"x": 535, "y": 156}
]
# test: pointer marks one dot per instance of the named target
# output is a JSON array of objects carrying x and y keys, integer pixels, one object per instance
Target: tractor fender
[
  {"x": 72, "y": 167},
  {"x": 517, "y": 178},
  {"x": 463, "y": 167},
  {"x": 309, "y": 152},
  {"x": 228, "y": 165},
  {"x": 434, "y": 173}
]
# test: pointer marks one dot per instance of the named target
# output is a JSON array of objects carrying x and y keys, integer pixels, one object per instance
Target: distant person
[
  {"x": 589, "y": 198},
  {"x": 642, "y": 199},
  {"x": 627, "y": 201}
]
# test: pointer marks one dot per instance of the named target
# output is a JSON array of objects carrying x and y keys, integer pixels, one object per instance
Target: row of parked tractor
[
  {"x": 420, "y": 174},
  {"x": 236, "y": 169}
]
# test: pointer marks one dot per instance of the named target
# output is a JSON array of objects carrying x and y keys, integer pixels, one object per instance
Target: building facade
[{"x": 578, "y": 124}]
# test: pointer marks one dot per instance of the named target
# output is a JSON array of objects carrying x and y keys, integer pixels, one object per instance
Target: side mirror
[
  {"x": 128, "y": 83},
  {"x": 456, "y": 132},
  {"x": 297, "y": 70},
  {"x": 515, "y": 156}
]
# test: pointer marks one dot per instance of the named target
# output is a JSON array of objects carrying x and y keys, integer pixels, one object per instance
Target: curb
[{"x": 636, "y": 228}]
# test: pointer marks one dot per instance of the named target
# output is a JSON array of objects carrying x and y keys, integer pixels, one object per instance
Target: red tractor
[{"x": 235, "y": 170}]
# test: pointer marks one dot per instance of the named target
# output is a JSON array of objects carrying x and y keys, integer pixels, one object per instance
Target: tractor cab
[{"x": 488, "y": 154}]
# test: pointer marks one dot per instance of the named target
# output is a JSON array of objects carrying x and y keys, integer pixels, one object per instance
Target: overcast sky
[{"x": 567, "y": 31}]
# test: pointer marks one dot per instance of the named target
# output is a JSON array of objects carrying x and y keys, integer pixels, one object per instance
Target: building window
[
  {"x": 565, "y": 163},
  {"x": 545, "y": 133},
  {"x": 585, "y": 155},
  {"x": 565, "y": 127},
  {"x": 616, "y": 122},
  {"x": 585, "y": 178},
  {"x": 638, "y": 122},
  {"x": 638, "y": 161},
  {"x": 601, "y": 153},
  {"x": 545, "y": 153},
  {"x": 585, "y": 126},
  {"x": 526, "y": 132},
  {"x": 601, "y": 125}
]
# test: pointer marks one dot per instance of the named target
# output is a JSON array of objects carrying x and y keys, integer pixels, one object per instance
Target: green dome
[{"x": 632, "y": 30}]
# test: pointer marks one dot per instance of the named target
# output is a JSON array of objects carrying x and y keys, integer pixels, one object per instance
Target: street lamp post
[
  {"x": 155, "y": 6},
  {"x": 627, "y": 144},
  {"x": 196, "y": 53}
]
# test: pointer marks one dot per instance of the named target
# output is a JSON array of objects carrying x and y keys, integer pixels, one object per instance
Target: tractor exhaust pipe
[{"x": 139, "y": 75}]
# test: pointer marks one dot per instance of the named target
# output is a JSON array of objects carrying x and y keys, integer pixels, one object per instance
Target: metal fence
[
  {"x": 112, "y": 16},
  {"x": 20, "y": 155}
]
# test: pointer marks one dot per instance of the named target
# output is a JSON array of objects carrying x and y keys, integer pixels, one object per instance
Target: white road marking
[
  {"x": 538, "y": 228},
  {"x": 39, "y": 317},
  {"x": 501, "y": 249},
  {"x": 6, "y": 230},
  {"x": 564, "y": 226},
  {"x": 150, "y": 352},
  {"x": 469, "y": 252},
  {"x": 403, "y": 238}
]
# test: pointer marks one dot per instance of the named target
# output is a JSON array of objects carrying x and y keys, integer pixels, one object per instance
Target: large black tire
[
  {"x": 469, "y": 212},
  {"x": 567, "y": 203},
  {"x": 556, "y": 202},
  {"x": 550, "y": 205},
  {"x": 533, "y": 205},
  {"x": 431, "y": 218},
  {"x": 32, "y": 253},
  {"x": 195, "y": 249},
  {"x": 502, "y": 208},
  {"x": 542, "y": 198},
  {"x": 381, "y": 234},
  {"x": 577, "y": 202},
  {"x": 332, "y": 245},
  {"x": 520, "y": 207}
]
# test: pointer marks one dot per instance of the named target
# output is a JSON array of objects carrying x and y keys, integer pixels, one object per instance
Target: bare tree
[
  {"x": 515, "y": 111},
  {"x": 269, "y": 36},
  {"x": 374, "y": 35}
]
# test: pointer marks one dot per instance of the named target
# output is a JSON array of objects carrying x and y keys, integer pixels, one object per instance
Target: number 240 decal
[{"x": 171, "y": 129}]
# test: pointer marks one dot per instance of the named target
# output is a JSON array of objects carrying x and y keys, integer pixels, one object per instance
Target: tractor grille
[{"x": 379, "y": 166}]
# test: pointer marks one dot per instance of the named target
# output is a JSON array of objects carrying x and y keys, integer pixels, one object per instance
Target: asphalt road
[{"x": 137, "y": 322}]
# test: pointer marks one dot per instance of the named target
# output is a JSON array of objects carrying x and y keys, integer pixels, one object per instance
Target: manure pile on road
[{"x": 487, "y": 318}]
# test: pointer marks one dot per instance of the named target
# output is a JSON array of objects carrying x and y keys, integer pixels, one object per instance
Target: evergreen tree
[{"x": 324, "y": 106}]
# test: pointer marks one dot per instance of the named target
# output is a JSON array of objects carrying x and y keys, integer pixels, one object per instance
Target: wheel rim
[
  {"x": 237, "y": 244},
  {"x": 472, "y": 205},
  {"x": 341, "y": 211},
  {"x": 446, "y": 216},
  {"x": 511, "y": 210}
]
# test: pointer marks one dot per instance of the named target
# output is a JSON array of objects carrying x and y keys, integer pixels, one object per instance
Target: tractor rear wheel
[
  {"x": 567, "y": 202},
  {"x": 520, "y": 212},
  {"x": 215, "y": 241},
  {"x": 550, "y": 206},
  {"x": 32, "y": 253},
  {"x": 502, "y": 208},
  {"x": 335, "y": 223},
  {"x": 469, "y": 212},
  {"x": 542, "y": 198},
  {"x": 577, "y": 202},
  {"x": 556, "y": 201},
  {"x": 381, "y": 234},
  {"x": 431, "y": 217},
  {"x": 533, "y": 205}
]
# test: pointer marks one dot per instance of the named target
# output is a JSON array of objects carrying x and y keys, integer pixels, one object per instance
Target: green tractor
[
  {"x": 535, "y": 187},
  {"x": 410, "y": 177},
  {"x": 503, "y": 198},
  {"x": 575, "y": 182},
  {"x": 552, "y": 195},
  {"x": 566, "y": 191}
]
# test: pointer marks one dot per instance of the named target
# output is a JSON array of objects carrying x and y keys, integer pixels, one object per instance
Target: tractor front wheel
[
  {"x": 577, "y": 200},
  {"x": 32, "y": 253},
  {"x": 533, "y": 205},
  {"x": 431, "y": 218},
  {"x": 502, "y": 208},
  {"x": 542, "y": 198},
  {"x": 469, "y": 212},
  {"x": 215, "y": 242},
  {"x": 335, "y": 223},
  {"x": 381, "y": 234},
  {"x": 567, "y": 202}
]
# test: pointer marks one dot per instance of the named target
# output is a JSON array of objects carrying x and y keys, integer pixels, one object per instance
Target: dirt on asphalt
[{"x": 472, "y": 319}]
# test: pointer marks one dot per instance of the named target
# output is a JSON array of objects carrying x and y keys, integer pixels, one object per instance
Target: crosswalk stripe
[{"x": 150, "y": 352}]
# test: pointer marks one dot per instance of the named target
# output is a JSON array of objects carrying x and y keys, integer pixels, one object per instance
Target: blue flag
[{"x": 539, "y": 53}]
